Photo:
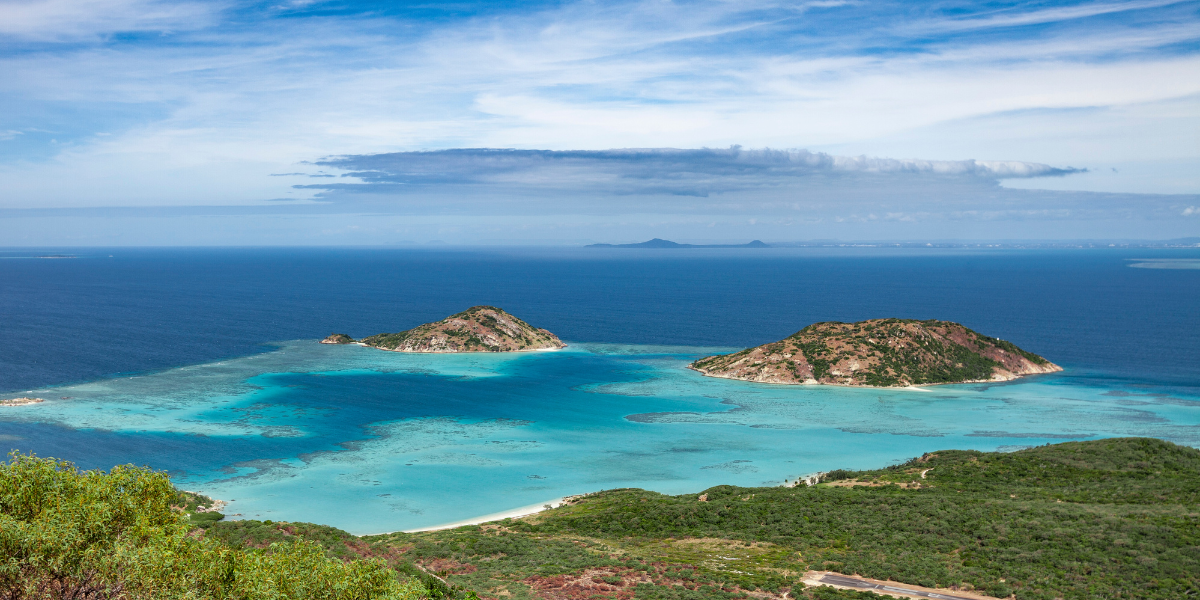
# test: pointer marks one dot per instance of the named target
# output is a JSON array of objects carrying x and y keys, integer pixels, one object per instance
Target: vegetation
[
  {"x": 201, "y": 511},
  {"x": 66, "y": 533},
  {"x": 1104, "y": 519},
  {"x": 477, "y": 329},
  {"x": 879, "y": 353},
  {"x": 1116, "y": 518}
]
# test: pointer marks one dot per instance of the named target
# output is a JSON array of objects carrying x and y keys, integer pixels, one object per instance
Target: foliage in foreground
[{"x": 66, "y": 533}]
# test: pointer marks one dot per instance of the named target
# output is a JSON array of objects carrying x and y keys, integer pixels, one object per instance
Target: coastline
[
  {"x": 533, "y": 509},
  {"x": 514, "y": 513},
  {"x": 460, "y": 351},
  {"x": 913, "y": 388},
  {"x": 20, "y": 401}
]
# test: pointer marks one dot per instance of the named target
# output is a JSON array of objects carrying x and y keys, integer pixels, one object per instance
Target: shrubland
[{"x": 1116, "y": 518}]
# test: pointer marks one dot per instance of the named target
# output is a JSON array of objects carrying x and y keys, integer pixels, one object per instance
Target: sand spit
[{"x": 20, "y": 401}]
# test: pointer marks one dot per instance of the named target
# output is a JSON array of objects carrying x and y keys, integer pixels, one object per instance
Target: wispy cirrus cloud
[
  {"x": 205, "y": 102},
  {"x": 75, "y": 20},
  {"x": 1016, "y": 16}
]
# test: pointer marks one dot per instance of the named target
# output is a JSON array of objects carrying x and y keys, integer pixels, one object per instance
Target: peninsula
[
  {"x": 879, "y": 353},
  {"x": 477, "y": 329}
]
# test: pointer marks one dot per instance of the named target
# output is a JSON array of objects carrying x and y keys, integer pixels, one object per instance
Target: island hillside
[
  {"x": 477, "y": 329},
  {"x": 879, "y": 353},
  {"x": 1110, "y": 518}
]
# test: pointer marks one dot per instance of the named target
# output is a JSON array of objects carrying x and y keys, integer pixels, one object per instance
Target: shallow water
[{"x": 372, "y": 441}]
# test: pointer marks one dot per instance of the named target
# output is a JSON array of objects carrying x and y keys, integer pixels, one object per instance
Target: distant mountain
[{"x": 660, "y": 243}]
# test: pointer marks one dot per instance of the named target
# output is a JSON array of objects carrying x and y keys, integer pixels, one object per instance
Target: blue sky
[{"x": 310, "y": 122}]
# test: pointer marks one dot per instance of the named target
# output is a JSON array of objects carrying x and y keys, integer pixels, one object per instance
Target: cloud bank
[
  {"x": 651, "y": 170},
  {"x": 662, "y": 180}
]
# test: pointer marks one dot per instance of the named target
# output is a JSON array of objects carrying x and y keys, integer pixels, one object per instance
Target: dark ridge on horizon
[{"x": 661, "y": 243}]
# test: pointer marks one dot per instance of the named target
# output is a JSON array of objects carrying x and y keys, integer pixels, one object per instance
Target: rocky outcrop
[
  {"x": 338, "y": 338},
  {"x": 879, "y": 353},
  {"x": 477, "y": 329}
]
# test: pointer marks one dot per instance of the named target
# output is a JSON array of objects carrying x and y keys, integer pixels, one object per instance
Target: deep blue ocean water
[{"x": 203, "y": 362}]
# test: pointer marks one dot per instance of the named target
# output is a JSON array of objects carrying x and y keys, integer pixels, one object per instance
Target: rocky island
[
  {"x": 879, "y": 353},
  {"x": 477, "y": 329}
]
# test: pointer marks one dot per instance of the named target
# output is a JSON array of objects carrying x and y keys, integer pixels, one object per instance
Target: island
[
  {"x": 661, "y": 243},
  {"x": 879, "y": 353},
  {"x": 477, "y": 329}
]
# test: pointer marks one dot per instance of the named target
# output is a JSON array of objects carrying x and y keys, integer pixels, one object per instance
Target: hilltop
[
  {"x": 477, "y": 329},
  {"x": 879, "y": 353}
]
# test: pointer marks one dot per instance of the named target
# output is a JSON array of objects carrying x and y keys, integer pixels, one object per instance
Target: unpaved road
[{"x": 867, "y": 585}]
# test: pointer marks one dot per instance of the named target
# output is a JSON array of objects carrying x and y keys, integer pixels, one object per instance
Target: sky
[{"x": 310, "y": 122}]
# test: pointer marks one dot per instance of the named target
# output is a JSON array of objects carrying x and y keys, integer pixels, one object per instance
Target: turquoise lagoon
[{"x": 373, "y": 441}]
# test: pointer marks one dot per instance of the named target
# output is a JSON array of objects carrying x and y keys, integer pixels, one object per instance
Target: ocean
[{"x": 204, "y": 363}]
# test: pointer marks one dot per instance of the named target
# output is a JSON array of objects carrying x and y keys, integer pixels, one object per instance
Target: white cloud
[
  {"x": 65, "y": 20},
  {"x": 1191, "y": 210},
  {"x": 1016, "y": 18},
  {"x": 587, "y": 75}
]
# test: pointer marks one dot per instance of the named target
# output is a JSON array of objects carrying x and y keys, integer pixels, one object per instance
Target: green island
[
  {"x": 879, "y": 353},
  {"x": 1112, "y": 518},
  {"x": 477, "y": 329}
]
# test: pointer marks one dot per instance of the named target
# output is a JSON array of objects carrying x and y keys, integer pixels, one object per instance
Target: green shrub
[{"x": 66, "y": 533}]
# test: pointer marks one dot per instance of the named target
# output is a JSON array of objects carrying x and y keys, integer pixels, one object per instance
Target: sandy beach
[
  {"x": 20, "y": 401},
  {"x": 523, "y": 511}
]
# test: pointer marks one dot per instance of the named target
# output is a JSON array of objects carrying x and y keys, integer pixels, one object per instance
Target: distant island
[
  {"x": 879, "y": 353},
  {"x": 477, "y": 329},
  {"x": 660, "y": 243}
]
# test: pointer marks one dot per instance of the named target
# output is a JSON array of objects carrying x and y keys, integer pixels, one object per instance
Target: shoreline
[
  {"x": 532, "y": 509},
  {"x": 513, "y": 513},
  {"x": 455, "y": 351},
  {"x": 914, "y": 388},
  {"x": 20, "y": 401}
]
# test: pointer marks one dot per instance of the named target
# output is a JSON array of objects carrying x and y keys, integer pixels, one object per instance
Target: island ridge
[
  {"x": 879, "y": 353},
  {"x": 477, "y": 329}
]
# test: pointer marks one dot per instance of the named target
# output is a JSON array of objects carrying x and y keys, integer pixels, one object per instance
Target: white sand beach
[{"x": 523, "y": 511}]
